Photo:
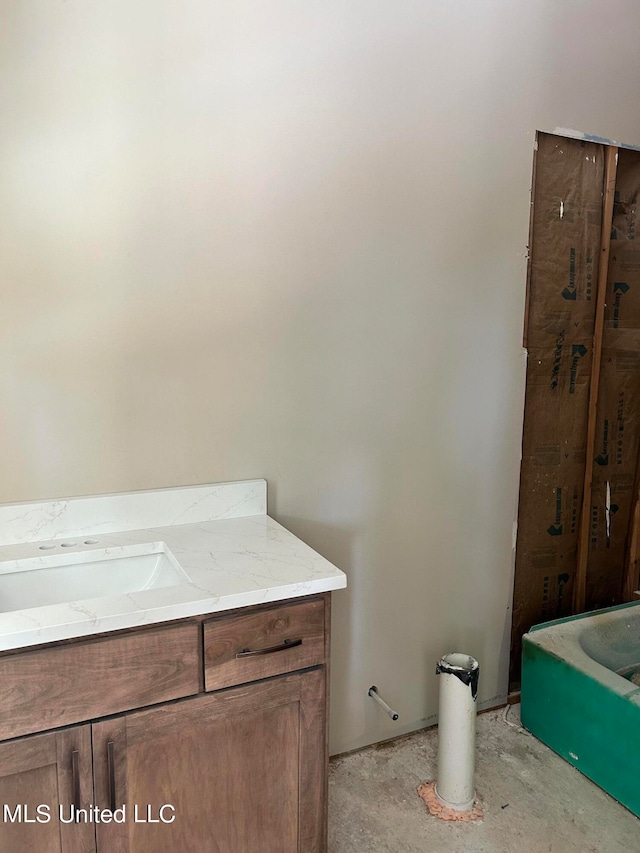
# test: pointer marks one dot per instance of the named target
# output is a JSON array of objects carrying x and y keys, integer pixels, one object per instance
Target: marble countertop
[{"x": 231, "y": 552}]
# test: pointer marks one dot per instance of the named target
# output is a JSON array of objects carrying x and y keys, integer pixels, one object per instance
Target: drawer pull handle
[
  {"x": 288, "y": 644},
  {"x": 111, "y": 765},
  {"x": 75, "y": 778}
]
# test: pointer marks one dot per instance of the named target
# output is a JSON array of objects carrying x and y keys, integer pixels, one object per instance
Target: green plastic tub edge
[
  {"x": 562, "y": 620},
  {"x": 593, "y": 728}
]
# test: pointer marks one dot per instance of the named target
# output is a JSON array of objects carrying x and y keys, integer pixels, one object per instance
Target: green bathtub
[{"x": 581, "y": 695}]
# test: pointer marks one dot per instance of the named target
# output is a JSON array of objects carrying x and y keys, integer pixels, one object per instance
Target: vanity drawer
[
  {"x": 270, "y": 642},
  {"x": 70, "y": 683}
]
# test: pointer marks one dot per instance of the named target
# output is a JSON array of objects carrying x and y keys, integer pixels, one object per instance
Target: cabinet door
[
  {"x": 52, "y": 772},
  {"x": 239, "y": 771}
]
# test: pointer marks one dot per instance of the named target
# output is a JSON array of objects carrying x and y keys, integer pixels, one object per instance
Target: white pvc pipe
[{"x": 454, "y": 786}]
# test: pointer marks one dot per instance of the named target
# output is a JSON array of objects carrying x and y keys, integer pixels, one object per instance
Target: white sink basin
[{"x": 70, "y": 577}]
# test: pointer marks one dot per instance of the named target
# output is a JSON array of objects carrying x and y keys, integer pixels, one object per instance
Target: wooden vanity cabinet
[
  {"x": 40, "y": 775},
  {"x": 236, "y": 772},
  {"x": 237, "y": 769},
  {"x": 72, "y": 682}
]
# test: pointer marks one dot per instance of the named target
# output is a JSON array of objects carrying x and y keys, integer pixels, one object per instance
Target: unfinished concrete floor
[{"x": 534, "y": 802}]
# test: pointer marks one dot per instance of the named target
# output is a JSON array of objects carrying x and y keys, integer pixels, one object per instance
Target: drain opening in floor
[{"x": 631, "y": 673}]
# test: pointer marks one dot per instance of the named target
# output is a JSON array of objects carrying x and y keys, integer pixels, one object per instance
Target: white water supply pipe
[{"x": 454, "y": 786}]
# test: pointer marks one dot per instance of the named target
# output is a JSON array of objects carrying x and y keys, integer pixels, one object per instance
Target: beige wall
[{"x": 287, "y": 240}]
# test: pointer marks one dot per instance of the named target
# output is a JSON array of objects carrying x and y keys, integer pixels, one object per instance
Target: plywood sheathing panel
[
  {"x": 614, "y": 463},
  {"x": 623, "y": 281},
  {"x": 565, "y": 240},
  {"x": 617, "y": 437}
]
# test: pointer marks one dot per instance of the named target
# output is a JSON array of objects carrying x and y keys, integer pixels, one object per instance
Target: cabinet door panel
[
  {"x": 242, "y": 768},
  {"x": 38, "y": 771}
]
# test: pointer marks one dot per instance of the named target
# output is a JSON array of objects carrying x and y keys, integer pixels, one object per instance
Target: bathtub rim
[{"x": 560, "y": 638}]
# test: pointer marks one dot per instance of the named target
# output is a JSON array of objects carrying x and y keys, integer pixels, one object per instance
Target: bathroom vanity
[{"x": 183, "y": 717}]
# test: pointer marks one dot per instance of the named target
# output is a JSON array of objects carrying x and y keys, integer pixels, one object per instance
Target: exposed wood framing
[{"x": 580, "y": 586}]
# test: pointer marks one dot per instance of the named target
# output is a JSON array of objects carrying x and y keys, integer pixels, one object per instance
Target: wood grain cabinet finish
[
  {"x": 74, "y": 682},
  {"x": 52, "y": 770},
  {"x": 243, "y": 769},
  {"x": 239, "y": 769},
  {"x": 264, "y": 643}
]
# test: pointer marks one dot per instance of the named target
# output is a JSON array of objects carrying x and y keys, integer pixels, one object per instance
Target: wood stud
[{"x": 580, "y": 585}]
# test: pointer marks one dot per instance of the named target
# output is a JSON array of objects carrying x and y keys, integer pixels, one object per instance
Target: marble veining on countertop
[{"x": 237, "y": 558}]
